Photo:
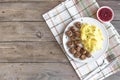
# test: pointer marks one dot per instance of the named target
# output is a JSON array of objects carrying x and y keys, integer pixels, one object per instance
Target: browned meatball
[
  {"x": 72, "y": 50},
  {"x": 84, "y": 52},
  {"x": 70, "y": 43},
  {"x": 72, "y": 29},
  {"x": 88, "y": 54},
  {"x": 72, "y": 38},
  {"x": 83, "y": 57},
  {"x": 78, "y": 24},
  {"x": 69, "y": 33},
  {"x": 77, "y": 54},
  {"x": 77, "y": 42},
  {"x": 77, "y": 34},
  {"x": 78, "y": 48}
]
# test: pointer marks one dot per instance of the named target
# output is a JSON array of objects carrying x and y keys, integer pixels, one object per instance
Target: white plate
[{"x": 96, "y": 54}]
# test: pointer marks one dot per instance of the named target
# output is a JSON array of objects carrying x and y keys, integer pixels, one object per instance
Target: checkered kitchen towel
[{"x": 57, "y": 20}]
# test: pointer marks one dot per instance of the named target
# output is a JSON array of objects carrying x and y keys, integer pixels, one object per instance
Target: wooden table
[{"x": 28, "y": 50}]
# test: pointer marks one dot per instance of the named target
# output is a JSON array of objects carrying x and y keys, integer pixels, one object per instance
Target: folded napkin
[{"x": 57, "y": 20}]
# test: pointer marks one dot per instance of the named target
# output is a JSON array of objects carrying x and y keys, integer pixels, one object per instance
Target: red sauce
[{"x": 105, "y": 14}]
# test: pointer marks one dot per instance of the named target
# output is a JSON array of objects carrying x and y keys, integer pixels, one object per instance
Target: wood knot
[
  {"x": 51, "y": 52},
  {"x": 39, "y": 34},
  {"x": 59, "y": 1},
  {"x": 3, "y": 11}
]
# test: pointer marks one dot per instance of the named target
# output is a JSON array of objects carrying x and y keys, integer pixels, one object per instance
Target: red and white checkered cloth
[{"x": 59, "y": 17}]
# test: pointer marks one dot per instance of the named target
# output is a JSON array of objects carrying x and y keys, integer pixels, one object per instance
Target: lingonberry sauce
[{"x": 105, "y": 14}]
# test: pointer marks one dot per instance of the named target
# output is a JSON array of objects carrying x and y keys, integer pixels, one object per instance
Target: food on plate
[
  {"x": 69, "y": 33},
  {"x": 77, "y": 54},
  {"x": 72, "y": 38},
  {"x": 82, "y": 57},
  {"x": 77, "y": 34},
  {"x": 77, "y": 42},
  {"x": 84, "y": 52},
  {"x": 78, "y": 48},
  {"x": 78, "y": 24},
  {"x": 84, "y": 39},
  {"x": 72, "y": 50},
  {"x": 88, "y": 54},
  {"x": 70, "y": 43},
  {"x": 91, "y": 37},
  {"x": 72, "y": 28}
]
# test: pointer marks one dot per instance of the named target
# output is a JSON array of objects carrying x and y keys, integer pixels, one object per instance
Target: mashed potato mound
[{"x": 91, "y": 37}]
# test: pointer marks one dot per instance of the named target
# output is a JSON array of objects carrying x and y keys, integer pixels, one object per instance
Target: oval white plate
[{"x": 96, "y": 54}]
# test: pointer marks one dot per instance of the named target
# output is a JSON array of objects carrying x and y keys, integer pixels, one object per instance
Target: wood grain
[
  {"x": 28, "y": 50},
  {"x": 32, "y": 11},
  {"x": 37, "y": 71},
  {"x": 28, "y": 0},
  {"x": 30, "y": 31},
  {"x": 116, "y": 25},
  {"x": 39, "y": 0},
  {"x": 113, "y": 4},
  {"x": 31, "y": 52},
  {"x": 25, "y": 31},
  {"x": 25, "y": 11}
]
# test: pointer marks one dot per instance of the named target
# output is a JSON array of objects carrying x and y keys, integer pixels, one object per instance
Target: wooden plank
[
  {"x": 40, "y": 0},
  {"x": 40, "y": 71},
  {"x": 116, "y": 25},
  {"x": 30, "y": 31},
  {"x": 37, "y": 71},
  {"x": 113, "y": 4},
  {"x": 115, "y": 76},
  {"x": 32, "y": 11},
  {"x": 25, "y": 11},
  {"x": 25, "y": 31},
  {"x": 27, "y": 0},
  {"x": 31, "y": 52}
]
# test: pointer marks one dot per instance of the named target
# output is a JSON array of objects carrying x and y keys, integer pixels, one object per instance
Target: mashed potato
[{"x": 91, "y": 37}]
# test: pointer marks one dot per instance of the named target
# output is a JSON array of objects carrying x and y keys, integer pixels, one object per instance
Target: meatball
[
  {"x": 77, "y": 34},
  {"x": 77, "y": 42},
  {"x": 84, "y": 52},
  {"x": 69, "y": 33},
  {"x": 72, "y": 50},
  {"x": 83, "y": 57},
  {"x": 72, "y": 38},
  {"x": 70, "y": 43},
  {"x": 77, "y": 54},
  {"x": 88, "y": 54},
  {"x": 78, "y": 48},
  {"x": 78, "y": 24},
  {"x": 72, "y": 29}
]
